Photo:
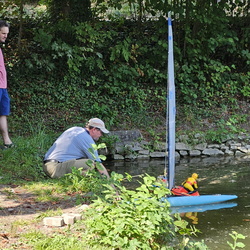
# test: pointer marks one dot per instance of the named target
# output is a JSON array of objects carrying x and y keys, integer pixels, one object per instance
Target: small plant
[
  {"x": 139, "y": 220},
  {"x": 236, "y": 236},
  {"x": 92, "y": 151},
  {"x": 226, "y": 129},
  {"x": 92, "y": 182},
  {"x": 110, "y": 141},
  {"x": 126, "y": 150}
]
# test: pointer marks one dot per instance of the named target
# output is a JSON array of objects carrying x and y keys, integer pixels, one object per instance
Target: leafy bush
[{"x": 137, "y": 220}]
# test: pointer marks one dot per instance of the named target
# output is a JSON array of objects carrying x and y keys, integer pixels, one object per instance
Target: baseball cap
[{"x": 98, "y": 123}]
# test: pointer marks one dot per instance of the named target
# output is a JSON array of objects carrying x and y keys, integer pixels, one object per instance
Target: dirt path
[{"x": 19, "y": 211}]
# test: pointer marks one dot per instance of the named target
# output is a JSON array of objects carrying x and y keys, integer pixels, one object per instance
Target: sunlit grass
[
  {"x": 49, "y": 190},
  {"x": 49, "y": 213}
]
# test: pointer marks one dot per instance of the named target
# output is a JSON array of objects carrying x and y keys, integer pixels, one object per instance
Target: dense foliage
[
  {"x": 138, "y": 221},
  {"x": 69, "y": 60},
  {"x": 110, "y": 60}
]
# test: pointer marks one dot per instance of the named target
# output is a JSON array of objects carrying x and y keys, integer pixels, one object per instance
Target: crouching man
[{"x": 71, "y": 149}]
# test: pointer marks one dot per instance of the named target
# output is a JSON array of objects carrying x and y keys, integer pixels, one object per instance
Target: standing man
[
  {"x": 4, "y": 97},
  {"x": 71, "y": 149}
]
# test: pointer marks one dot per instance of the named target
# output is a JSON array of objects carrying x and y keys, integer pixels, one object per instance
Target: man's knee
[{"x": 85, "y": 164}]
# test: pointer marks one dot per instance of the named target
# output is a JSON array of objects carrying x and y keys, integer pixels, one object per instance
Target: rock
[
  {"x": 83, "y": 207},
  {"x": 130, "y": 157},
  {"x": 194, "y": 152},
  {"x": 238, "y": 153},
  {"x": 234, "y": 146},
  {"x": 157, "y": 154},
  {"x": 201, "y": 146},
  {"x": 183, "y": 153},
  {"x": 140, "y": 157},
  {"x": 143, "y": 152},
  {"x": 132, "y": 147},
  {"x": 212, "y": 152},
  {"x": 223, "y": 147},
  {"x": 243, "y": 150},
  {"x": 213, "y": 146},
  {"x": 182, "y": 146},
  {"x": 228, "y": 152},
  {"x": 56, "y": 221},
  {"x": 69, "y": 219},
  {"x": 118, "y": 157}
]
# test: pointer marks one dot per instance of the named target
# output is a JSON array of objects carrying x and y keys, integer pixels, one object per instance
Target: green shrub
[{"x": 137, "y": 220}]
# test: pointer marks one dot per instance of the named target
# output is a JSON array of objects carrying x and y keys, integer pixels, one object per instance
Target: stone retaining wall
[{"x": 131, "y": 145}]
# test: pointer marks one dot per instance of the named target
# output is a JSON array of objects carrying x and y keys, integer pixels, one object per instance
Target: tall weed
[{"x": 24, "y": 162}]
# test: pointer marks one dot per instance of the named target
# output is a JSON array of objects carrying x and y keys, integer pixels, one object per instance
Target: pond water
[{"x": 216, "y": 176}]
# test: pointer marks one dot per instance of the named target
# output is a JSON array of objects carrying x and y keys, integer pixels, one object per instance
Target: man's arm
[{"x": 102, "y": 170}]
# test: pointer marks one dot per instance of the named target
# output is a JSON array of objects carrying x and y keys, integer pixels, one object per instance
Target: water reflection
[
  {"x": 191, "y": 216},
  {"x": 203, "y": 208},
  {"x": 219, "y": 175}
]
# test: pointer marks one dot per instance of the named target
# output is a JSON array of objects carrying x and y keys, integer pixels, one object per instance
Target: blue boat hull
[
  {"x": 179, "y": 201},
  {"x": 202, "y": 208}
]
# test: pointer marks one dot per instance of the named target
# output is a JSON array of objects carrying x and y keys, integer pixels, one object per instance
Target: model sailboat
[{"x": 170, "y": 139}]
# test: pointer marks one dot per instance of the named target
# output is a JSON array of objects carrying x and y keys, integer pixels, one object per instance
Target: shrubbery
[{"x": 117, "y": 68}]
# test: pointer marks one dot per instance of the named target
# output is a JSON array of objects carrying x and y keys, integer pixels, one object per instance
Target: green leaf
[{"x": 240, "y": 244}]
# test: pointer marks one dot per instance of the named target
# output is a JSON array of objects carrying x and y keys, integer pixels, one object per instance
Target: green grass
[{"x": 24, "y": 162}]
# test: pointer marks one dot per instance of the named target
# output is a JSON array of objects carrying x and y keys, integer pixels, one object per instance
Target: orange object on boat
[{"x": 181, "y": 191}]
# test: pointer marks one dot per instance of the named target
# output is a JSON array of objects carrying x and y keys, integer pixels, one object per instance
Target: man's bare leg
[{"x": 4, "y": 130}]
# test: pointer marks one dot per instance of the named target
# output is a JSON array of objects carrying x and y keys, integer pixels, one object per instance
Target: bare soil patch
[{"x": 19, "y": 213}]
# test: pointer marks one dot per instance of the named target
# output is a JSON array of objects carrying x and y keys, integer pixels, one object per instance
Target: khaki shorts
[{"x": 57, "y": 170}]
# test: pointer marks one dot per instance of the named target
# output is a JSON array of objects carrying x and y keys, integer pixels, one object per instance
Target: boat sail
[
  {"x": 178, "y": 201},
  {"x": 171, "y": 107}
]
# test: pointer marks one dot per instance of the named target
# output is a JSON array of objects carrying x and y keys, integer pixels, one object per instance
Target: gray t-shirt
[{"x": 74, "y": 143}]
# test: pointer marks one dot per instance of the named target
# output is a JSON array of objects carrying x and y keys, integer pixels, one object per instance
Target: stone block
[
  {"x": 229, "y": 152},
  {"x": 182, "y": 146},
  {"x": 69, "y": 219},
  {"x": 130, "y": 157},
  {"x": 243, "y": 150},
  {"x": 201, "y": 146},
  {"x": 238, "y": 153},
  {"x": 140, "y": 157},
  {"x": 78, "y": 217},
  {"x": 212, "y": 152},
  {"x": 56, "y": 221},
  {"x": 83, "y": 207},
  {"x": 157, "y": 154},
  {"x": 118, "y": 157},
  {"x": 213, "y": 146},
  {"x": 195, "y": 152},
  {"x": 183, "y": 153},
  {"x": 144, "y": 152}
]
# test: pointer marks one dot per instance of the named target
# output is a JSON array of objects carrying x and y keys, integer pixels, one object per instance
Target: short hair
[{"x": 4, "y": 24}]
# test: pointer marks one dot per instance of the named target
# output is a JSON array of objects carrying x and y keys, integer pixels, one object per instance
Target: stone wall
[{"x": 131, "y": 145}]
